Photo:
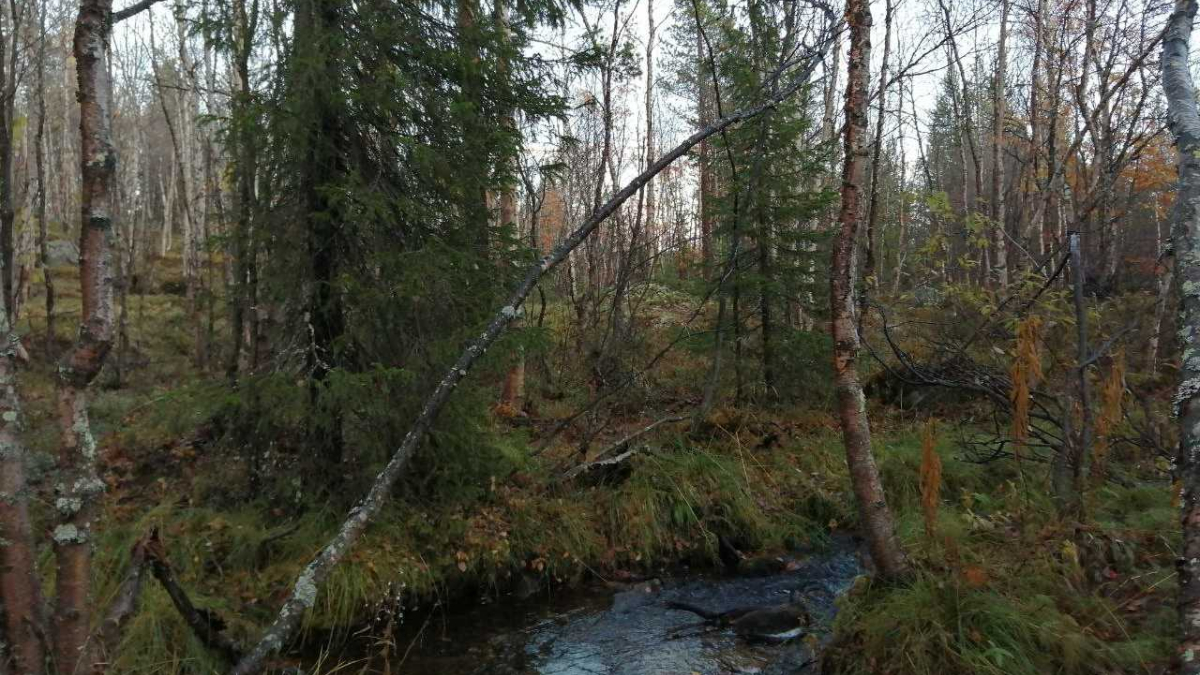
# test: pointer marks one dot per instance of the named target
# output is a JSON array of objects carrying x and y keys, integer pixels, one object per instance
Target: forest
[{"x": 607, "y": 337}]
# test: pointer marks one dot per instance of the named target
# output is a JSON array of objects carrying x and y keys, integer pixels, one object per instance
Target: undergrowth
[
  {"x": 1001, "y": 587},
  {"x": 1005, "y": 587},
  {"x": 241, "y": 561}
]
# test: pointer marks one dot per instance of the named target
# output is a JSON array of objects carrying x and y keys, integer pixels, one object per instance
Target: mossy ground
[{"x": 1002, "y": 587}]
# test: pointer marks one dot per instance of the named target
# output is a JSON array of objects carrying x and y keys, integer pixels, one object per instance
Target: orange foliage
[
  {"x": 1112, "y": 392},
  {"x": 1026, "y": 372}
]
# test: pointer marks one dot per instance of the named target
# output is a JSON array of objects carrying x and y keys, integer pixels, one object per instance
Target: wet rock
[
  {"x": 798, "y": 658},
  {"x": 636, "y": 596}
]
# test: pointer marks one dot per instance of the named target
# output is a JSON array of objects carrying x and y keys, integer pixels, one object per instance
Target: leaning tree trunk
[
  {"x": 1184, "y": 121},
  {"x": 856, "y": 431}
]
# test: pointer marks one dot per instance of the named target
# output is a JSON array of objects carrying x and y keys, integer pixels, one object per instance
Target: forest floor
[{"x": 1002, "y": 586}]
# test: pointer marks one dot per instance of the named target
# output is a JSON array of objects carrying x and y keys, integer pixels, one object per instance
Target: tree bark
[
  {"x": 243, "y": 318},
  {"x": 8, "y": 213},
  {"x": 304, "y": 592},
  {"x": 829, "y": 106},
  {"x": 20, "y": 584},
  {"x": 40, "y": 161},
  {"x": 704, "y": 116},
  {"x": 512, "y": 395},
  {"x": 652, "y": 29},
  {"x": 1183, "y": 119},
  {"x": 323, "y": 163},
  {"x": 966, "y": 132},
  {"x": 902, "y": 211},
  {"x": 856, "y": 431},
  {"x": 868, "y": 266},
  {"x": 999, "y": 113},
  {"x": 1068, "y": 463},
  {"x": 1165, "y": 274},
  {"x": 1033, "y": 232},
  {"x": 79, "y": 484}
]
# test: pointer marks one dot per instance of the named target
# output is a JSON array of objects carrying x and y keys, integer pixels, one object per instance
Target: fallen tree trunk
[
  {"x": 124, "y": 604},
  {"x": 206, "y": 625},
  {"x": 304, "y": 591}
]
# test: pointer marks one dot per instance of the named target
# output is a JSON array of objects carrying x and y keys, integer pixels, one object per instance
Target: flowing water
[{"x": 631, "y": 632}]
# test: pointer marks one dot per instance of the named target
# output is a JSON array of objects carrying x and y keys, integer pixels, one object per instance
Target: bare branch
[
  {"x": 620, "y": 446},
  {"x": 133, "y": 10}
]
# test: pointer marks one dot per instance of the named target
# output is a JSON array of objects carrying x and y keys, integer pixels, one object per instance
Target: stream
[{"x": 598, "y": 631}]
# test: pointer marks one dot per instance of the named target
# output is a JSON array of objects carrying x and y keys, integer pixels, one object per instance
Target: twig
[
  {"x": 133, "y": 10},
  {"x": 620, "y": 445},
  {"x": 1108, "y": 344}
]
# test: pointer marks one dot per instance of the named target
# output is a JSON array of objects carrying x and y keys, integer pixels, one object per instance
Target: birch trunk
[
  {"x": 1034, "y": 229},
  {"x": 243, "y": 318},
  {"x": 1165, "y": 276},
  {"x": 512, "y": 395},
  {"x": 1183, "y": 119},
  {"x": 999, "y": 113},
  {"x": 80, "y": 486},
  {"x": 651, "y": 200},
  {"x": 856, "y": 431}
]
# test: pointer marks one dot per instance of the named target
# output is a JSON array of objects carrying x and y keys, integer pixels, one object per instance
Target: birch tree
[
  {"x": 1183, "y": 118},
  {"x": 856, "y": 430},
  {"x": 79, "y": 486}
]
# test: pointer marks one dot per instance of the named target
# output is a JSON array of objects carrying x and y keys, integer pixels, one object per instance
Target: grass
[
  {"x": 1002, "y": 588},
  {"x": 668, "y": 511}
]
